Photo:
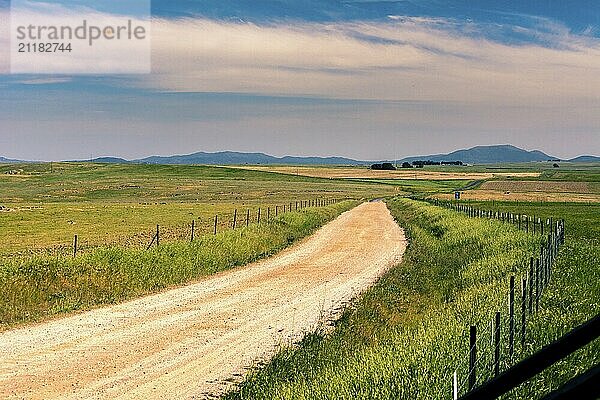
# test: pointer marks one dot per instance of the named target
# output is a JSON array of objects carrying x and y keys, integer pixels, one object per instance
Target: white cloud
[
  {"x": 407, "y": 58},
  {"x": 44, "y": 81}
]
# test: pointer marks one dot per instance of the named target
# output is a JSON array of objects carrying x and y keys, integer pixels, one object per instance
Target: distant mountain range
[
  {"x": 474, "y": 155},
  {"x": 8, "y": 160},
  {"x": 233, "y": 158},
  {"x": 488, "y": 155},
  {"x": 109, "y": 160},
  {"x": 585, "y": 159}
]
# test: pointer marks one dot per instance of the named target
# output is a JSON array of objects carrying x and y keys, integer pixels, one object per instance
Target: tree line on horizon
[{"x": 415, "y": 164}]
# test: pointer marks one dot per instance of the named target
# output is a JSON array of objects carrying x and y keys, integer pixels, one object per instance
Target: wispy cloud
[
  {"x": 406, "y": 58},
  {"x": 43, "y": 81},
  {"x": 437, "y": 84}
]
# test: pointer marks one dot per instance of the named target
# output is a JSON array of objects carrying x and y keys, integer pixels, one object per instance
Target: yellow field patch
[
  {"x": 481, "y": 194},
  {"x": 365, "y": 173},
  {"x": 542, "y": 186}
]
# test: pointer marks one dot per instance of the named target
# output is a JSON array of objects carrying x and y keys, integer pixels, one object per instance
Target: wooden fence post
[
  {"x": 511, "y": 320},
  {"x": 556, "y": 241},
  {"x": 454, "y": 386},
  {"x": 472, "y": 357},
  {"x": 75, "y": 246},
  {"x": 258, "y": 216},
  {"x": 543, "y": 256},
  {"x": 216, "y": 220},
  {"x": 157, "y": 235},
  {"x": 234, "y": 218},
  {"x": 562, "y": 232},
  {"x": 497, "y": 345},
  {"x": 537, "y": 284},
  {"x": 193, "y": 224},
  {"x": 548, "y": 260},
  {"x": 247, "y": 218},
  {"x": 531, "y": 271},
  {"x": 552, "y": 249},
  {"x": 523, "y": 311}
]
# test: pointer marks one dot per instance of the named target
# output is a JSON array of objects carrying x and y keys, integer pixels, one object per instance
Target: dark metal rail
[{"x": 533, "y": 365}]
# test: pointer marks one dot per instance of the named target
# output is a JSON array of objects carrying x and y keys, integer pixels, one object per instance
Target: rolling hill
[
  {"x": 585, "y": 159},
  {"x": 487, "y": 155},
  {"x": 109, "y": 160},
  {"x": 475, "y": 155},
  {"x": 232, "y": 158},
  {"x": 8, "y": 160}
]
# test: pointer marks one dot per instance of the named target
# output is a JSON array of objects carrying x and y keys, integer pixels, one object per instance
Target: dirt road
[{"x": 188, "y": 342}]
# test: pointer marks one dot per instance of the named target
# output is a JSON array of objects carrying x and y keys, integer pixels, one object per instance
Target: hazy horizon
[
  {"x": 364, "y": 80},
  {"x": 129, "y": 158}
]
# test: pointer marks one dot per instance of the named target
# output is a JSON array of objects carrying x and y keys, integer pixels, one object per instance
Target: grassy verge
[
  {"x": 38, "y": 287},
  {"x": 574, "y": 295},
  {"x": 405, "y": 337}
]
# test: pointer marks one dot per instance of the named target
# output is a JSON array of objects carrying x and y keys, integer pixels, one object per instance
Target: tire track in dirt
[{"x": 193, "y": 341}]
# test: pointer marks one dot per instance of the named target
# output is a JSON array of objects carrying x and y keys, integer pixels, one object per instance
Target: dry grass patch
[
  {"x": 365, "y": 173},
  {"x": 542, "y": 186},
  {"x": 482, "y": 195}
]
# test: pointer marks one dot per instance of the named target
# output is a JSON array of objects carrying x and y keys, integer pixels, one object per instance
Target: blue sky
[{"x": 364, "y": 79}]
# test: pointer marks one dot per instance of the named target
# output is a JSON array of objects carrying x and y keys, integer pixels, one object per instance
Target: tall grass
[
  {"x": 574, "y": 294},
  {"x": 37, "y": 287},
  {"x": 409, "y": 333}
]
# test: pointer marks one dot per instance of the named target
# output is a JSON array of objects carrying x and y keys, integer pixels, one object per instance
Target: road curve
[{"x": 193, "y": 341}]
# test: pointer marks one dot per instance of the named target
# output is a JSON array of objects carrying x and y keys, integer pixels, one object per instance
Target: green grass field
[
  {"x": 45, "y": 205},
  {"x": 114, "y": 210},
  {"x": 408, "y": 334},
  {"x": 419, "y": 187},
  {"x": 38, "y": 287},
  {"x": 402, "y": 339},
  {"x": 589, "y": 172}
]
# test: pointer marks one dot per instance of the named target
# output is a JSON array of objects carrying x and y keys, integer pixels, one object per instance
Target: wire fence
[
  {"x": 193, "y": 230},
  {"x": 528, "y": 223},
  {"x": 494, "y": 349},
  {"x": 244, "y": 219}
]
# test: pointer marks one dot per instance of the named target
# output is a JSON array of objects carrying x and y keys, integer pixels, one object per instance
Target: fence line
[
  {"x": 534, "y": 281},
  {"x": 234, "y": 223},
  {"x": 521, "y": 221}
]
